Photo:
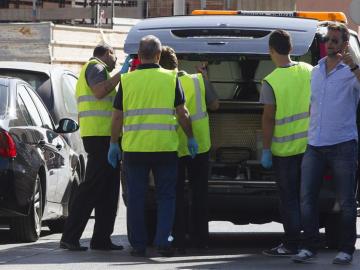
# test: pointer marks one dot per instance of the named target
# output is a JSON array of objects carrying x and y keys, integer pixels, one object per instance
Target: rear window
[
  {"x": 35, "y": 79},
  {"x": 4, "y": 100},
  {"x": 236, "y": 77}
]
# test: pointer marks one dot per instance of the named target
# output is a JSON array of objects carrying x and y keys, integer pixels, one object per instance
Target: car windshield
[
  {"x": 35, "y": 79},
  {"x": 4, "y": 100}
]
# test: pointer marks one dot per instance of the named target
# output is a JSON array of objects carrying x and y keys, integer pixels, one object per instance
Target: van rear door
[{"x": 222, "y": 34}]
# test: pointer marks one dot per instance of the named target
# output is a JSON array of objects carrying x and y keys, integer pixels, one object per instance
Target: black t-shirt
[{"x": 179, "y": 93}]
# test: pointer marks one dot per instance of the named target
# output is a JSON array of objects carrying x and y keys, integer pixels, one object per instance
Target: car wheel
[
  {"x": 57, "y": 225},
  {"x": 332, "y": 225},
  {"x": 28, "y": 228}
]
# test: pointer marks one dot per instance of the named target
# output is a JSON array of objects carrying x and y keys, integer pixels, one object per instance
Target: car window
[
  {"x": 33, "y": 112},
  {"x": 355, "y": 51},
  {"x": 4, "y": 93},
  {"x": 68, "y": 91},
  {"x": 47, "y": 122},
  {"x": 35, "y": 79},
  {"x": 22, "y": 115}
]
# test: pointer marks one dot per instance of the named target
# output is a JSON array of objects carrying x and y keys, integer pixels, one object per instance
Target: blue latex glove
[
  {"x": 114, "y": 154},
  {"x": 126, "y": 65},
  {"x": 193, "y": 147},
  {"x": 266, "y": 158}
]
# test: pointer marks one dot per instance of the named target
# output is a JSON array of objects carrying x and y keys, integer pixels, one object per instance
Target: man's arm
[
  {"x": 212, "y": 101},
  {"x": 116, "y": 125},
  {"x": 103, "y": 88},
  {"x": 268, "y": 124},
  {"x": 184, "y": 119}
]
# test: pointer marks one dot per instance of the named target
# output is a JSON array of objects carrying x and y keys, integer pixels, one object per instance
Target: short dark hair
[
  {"x": 100, "y": 50},
  {"x": 149, "y": 47},
  {"x": 336, "y": 26},
  {"x": 168, "y": 59},
  {"x": 280, "y": 41}
]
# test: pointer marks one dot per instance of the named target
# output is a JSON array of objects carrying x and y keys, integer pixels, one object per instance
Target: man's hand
[
  {"x": 193, "y": 147},
  {"x": 266, "y": 158},
  {"x": 114, "y": 154},
  {"x": 126, "y": 65},
  {"x": 202, "y": 69},
  {"x": 347, "y": 58}
]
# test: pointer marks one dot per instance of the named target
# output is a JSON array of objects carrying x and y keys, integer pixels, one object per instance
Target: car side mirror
[{"x": 67, "y": 125}]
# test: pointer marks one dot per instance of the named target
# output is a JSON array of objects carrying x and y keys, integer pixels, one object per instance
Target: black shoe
[
  {"x": 110, "y": 246},
  {"x": 72, "y": 247},
  {"x": 138, "y": 252},
  {"x": 166, "y": 251},
  {"x": 279, "y": 251}
]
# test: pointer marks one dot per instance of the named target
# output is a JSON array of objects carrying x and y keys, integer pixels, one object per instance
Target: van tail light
[{"x": 7, "y": 145}]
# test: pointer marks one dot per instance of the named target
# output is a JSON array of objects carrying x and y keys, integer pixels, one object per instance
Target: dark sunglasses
[{"x": 333, "y": 40}]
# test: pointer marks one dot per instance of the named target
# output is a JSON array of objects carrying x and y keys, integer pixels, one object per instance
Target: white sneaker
[{"x": 342, "y": 258}]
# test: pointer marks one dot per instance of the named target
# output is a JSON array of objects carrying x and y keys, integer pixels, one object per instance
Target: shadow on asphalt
[{"x": 224, "y": 250}]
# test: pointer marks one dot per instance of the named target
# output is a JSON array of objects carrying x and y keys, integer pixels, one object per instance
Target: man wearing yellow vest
[
  {"x": 145, "y": 108},
  {"x": 200, "y": 96},
  {"x": 95, "y": 91},
  {"x": 286, "y": 97}
]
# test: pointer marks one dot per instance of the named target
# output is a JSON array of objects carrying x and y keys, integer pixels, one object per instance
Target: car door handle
[
  {"x": 217, "y": 43},
  {"x": 59, "y": 147}
]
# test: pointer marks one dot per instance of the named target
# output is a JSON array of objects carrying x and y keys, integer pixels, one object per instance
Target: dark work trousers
[
  {"x": 100, "y": 190},
  {"x": 288, "y": 172},
  {"x": 137, "y": 167},
  {"x": 197, "y": 170}
]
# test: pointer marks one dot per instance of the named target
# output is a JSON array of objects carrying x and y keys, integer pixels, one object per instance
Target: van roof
[{"x": 222, "y": 34}]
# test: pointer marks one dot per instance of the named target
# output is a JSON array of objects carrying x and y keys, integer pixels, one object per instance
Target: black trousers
[
  {"x": 197, "y": 170},
  {"x": 100, "y": 190}
]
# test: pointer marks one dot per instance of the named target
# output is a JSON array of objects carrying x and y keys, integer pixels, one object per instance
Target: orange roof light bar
[
  {"x": 318, "y": 15},
  {"x": 322, "y": 16}
]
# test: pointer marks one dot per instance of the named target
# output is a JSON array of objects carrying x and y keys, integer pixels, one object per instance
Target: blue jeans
[
  {"x": 342, "y": 160},
  {"x": 288, "y": 174},
  {"x": 137, "y": 178}
]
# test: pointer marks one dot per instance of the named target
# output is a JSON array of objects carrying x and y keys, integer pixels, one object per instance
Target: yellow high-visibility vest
[
  {"x": 94, "y": 114},
  {"x": 149, "y": 115},
  {"x": 291, "y": 87},
  {"x": 194, "y": 90}
]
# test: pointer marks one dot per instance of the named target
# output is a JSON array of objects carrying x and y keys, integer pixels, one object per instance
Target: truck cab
[{"x": 235, "y": 48}]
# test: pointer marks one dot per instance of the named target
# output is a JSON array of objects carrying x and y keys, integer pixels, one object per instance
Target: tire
[
  {"x": 57, "y": 225},
  {"x": 332, "y": 229},
  {"x": 28, "y": 228}
]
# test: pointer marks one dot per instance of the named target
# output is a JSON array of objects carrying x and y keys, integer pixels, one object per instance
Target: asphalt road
[{"x": 231, "y": 247}]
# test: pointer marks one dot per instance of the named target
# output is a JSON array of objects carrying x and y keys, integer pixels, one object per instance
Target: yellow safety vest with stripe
[
  {"x": 94, "y": 114},
  {"x": 291, "y": 87},
  {"x": 149, "y": 123},
  {"x": 194, "y": 90}
]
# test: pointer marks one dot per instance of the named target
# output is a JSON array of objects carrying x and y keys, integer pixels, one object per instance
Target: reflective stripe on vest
[
  {"x": 194, "y": 90},
  {"x": 149, "y": 115},
  {"x": 94, "y": 114},
  {"x": 292, "y": 118},
  {"x": 291, "y": 88},
  {"x": 138, "y": 127},
  {"x": 149, "y": 112}
]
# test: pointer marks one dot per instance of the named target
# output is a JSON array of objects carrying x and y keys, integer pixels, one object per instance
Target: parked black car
[
  {"x": 56, "y": 87},
  {"x": 37, "y": 166}
]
